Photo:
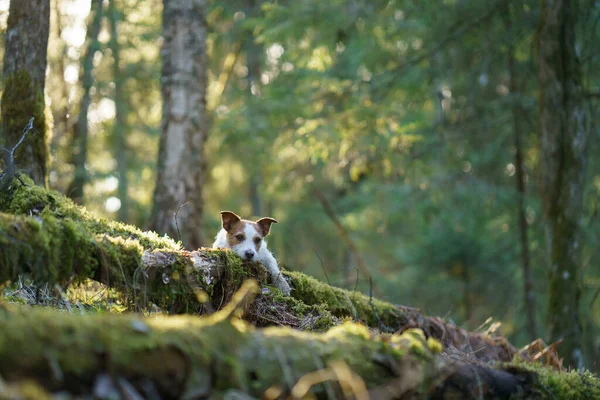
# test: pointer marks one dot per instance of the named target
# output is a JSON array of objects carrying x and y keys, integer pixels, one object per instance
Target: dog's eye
[
  {"x": 239, "y": 237},
  {"x": 257, "y": 240}
]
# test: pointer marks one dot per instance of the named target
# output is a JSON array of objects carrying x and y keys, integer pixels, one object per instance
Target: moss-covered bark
[
  {"x": 180, "y": 356},
  {"x": 564, "y": 142},
  {"x": 23, "y": 83}
]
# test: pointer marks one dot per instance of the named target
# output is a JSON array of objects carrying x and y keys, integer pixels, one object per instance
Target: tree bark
[
  {"x": 120, "y": 123},
  {"x": 181, "y": 160},
  {"x": 24, "y": 78},
  {"x": 564, "y": 128},
  {"x": 517, "y": 116},
  {"x": 80, "y": 134}
]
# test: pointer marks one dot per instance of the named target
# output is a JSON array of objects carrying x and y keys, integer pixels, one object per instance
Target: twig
[
  {"x": 382, "y": 327},
  {"x": 175, "y": 218},
  {"x": 9, "y": 157},
  {"x": 322, "y": 266},
  {"x": 344, "y": 233},
  {"x": 357, "y": 276}
]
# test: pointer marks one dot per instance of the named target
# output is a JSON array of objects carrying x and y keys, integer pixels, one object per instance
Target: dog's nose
[{"x": 249, "y": 254}]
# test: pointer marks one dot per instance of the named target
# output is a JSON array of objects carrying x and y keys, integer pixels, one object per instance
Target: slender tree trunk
[
  {"x": 23, "y": 81},
  {"x": 254, "y": 58},
  {"x": 181, "y": 161},
  {"x": 564, "y": 131},
  {"x": 529, "y": 297},
  {"x": 61, "y": 111},
  {"x": 80, "y": 134},
  {"x": 120, "y": 109}
]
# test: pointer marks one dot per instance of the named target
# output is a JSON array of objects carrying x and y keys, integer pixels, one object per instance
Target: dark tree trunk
[
  {"x": 517, "y": 115},
  {"x": 181, "y": 161},
  {"x": 23, "y": 81},
  {"x": 564, "y": 135},
  {"x": 80, "y": 134},
  {"x": 120, "y": 109},
  {"x": 254, "y": 60}
]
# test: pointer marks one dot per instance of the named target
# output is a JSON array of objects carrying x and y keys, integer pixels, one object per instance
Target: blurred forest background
[{"x": 399, "y": 137}]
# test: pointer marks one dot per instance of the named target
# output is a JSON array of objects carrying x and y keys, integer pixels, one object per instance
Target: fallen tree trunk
[{"x": 48, "y": 352}]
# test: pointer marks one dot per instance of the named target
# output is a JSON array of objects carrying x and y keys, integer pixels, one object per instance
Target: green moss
[
  {"x": 188, "y": 350},
  {"x": 554, "y": 384},
  {"x": 343, "y": 303},
  {"x": 34, "y": 200}
]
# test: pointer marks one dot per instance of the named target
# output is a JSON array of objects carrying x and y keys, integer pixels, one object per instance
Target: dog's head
[{"x": 245, "y": 237}]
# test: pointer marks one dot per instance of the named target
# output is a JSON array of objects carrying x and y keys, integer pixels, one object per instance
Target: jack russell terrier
[{"x": 246, "y": 239}]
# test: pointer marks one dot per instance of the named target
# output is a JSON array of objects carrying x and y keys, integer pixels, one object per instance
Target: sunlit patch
[
  {"x": 108, "y": 185},
  {"x": 466, "y": 167},
  {"x": 275, "y": 51},
  {"x": 510, "y": 169},
  {"x": 103, "y": 111},
  {"x": 74, "y": 35},
  {"x": 112, "y": 204},
  {"x": 71, "y": 74}
]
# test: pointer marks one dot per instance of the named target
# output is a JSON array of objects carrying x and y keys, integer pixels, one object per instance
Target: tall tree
[
  {"x": 254, "y": 58},
  {"x": 24, "y": 78},
  {"x": 517, "y": 122},
  {"x": 564, "y": 125},
  {"x": 181, "y": 161},
  {"x": 80, "y": 134},
  {"x": 120, "y": 109}
]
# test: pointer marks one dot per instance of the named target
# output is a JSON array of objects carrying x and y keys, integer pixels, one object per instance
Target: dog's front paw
[{"x": 282, "y": 285}]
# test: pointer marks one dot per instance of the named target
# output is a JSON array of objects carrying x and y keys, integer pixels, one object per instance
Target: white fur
[{"x": 263, "y": 255}]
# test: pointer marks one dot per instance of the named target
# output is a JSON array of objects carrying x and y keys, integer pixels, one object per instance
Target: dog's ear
[
  {"x": 229, "y": 218},
  {"x": 265, "y": 225}
]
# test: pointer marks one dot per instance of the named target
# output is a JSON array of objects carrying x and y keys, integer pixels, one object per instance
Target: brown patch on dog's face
[{"x": 236, "y": 234}]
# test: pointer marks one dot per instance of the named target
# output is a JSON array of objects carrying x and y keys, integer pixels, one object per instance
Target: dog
[{"x": 247, "y": 239}]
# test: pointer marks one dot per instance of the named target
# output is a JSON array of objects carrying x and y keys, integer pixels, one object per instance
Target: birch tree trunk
[
  {"x": 181, "y": 161},
  {"x": 23, "y": 81},
  {"x": 80, "y": 134},
  {"x": 564, "y": 131}
]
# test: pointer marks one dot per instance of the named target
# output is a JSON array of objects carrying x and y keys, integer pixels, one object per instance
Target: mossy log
[
  {"x": 47, "y": 237},
  {"x": 49, "y": 353}
]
